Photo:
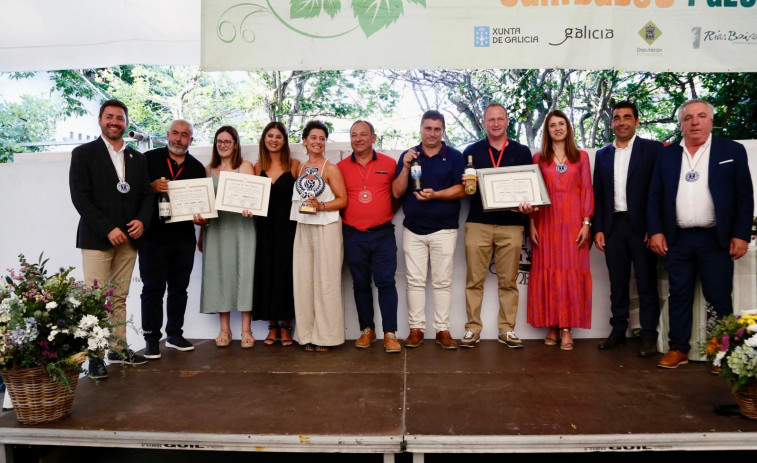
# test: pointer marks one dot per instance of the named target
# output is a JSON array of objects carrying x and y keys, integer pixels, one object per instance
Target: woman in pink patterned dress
[{"x": 559, "y": 288}]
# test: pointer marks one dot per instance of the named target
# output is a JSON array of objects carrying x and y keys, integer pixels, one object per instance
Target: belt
[
  {"x": 621, "y": 214},
  {"x": 383, "y": 226}
]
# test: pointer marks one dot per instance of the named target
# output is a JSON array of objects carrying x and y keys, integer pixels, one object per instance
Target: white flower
[
  {"x": 752, "y": 328},
  {"x": 718, "y": 358},
  {"x": 87, "y": 322},
  {"x": 51, "y": 305},
  {"x": 752, "y": 341},
  {"x": 74, "y": 302}
]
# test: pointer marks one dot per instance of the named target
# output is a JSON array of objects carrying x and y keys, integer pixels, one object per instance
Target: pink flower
[{"x": 725, "y": 342}]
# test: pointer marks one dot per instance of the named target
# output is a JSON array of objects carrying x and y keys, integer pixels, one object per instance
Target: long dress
[
  {"x": 273, "y": 296},
  {"x": 318, "y": 254},
  {"x": 228, "y": 258},
  {"x": 559, "y": 287}
]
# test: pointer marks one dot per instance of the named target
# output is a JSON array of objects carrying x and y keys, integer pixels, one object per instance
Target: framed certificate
[
  {"x": 190, "y": 197},
  {"x": 238, "y": 192},
  {"x": 508, "y": 187}
]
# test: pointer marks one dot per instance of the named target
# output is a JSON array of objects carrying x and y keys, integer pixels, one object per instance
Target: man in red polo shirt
[{"x": 370, "y": 248}]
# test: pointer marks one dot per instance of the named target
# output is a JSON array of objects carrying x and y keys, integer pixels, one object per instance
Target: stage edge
[
  {"x": 418, "y": 444},
  {"x": 197, "y": 441}
]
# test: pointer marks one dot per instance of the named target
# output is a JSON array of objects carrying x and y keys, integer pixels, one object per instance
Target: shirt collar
[
  {"x": 630, "y": 143},
  {"x": 111, "y": 148},
  {"x": 352, "y": 156}
]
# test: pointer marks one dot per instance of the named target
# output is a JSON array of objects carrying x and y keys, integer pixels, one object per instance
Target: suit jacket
[
  {"x": 92, "y": 179},
  {"x": 730, "y": 186},
  {"x": 643, "y": 155}
]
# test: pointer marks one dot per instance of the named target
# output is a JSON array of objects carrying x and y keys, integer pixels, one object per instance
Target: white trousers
[{"x": 437, "y": 249}]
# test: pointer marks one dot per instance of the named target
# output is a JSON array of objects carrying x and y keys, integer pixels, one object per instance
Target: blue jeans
[
  {"x": 373, "y": 255},
  {"x": 164, "y": 266}
]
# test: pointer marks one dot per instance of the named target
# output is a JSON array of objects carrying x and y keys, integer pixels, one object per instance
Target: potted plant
[
  {"x": 732, "y": 349},
  {"x": 49, "y": 325}
]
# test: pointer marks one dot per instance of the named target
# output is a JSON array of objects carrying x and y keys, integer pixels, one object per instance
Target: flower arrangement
[
  {"x": 54, "y": 322},
  {"x": 732, "y": 347}
]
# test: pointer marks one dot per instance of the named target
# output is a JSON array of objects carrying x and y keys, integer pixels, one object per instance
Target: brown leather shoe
[
  {"x": 415, "y": 339},
  {"x": 648, "y": 348},
  {"x": 612, "y": 342},
  {"x": 367, "y": 338},
  {"x": 444, "y": 339},
  {"x": 391, "y": 344},
  {"x": 672, "y": 359}
]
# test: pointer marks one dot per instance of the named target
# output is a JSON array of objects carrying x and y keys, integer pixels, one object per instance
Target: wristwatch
[{"x": 586, "y": 222}]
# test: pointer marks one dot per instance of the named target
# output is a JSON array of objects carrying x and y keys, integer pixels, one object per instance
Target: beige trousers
[
  {"x": 505, "y": 242},
  {"x": 317, "y": 274},
  {"x": 112, "y": 265}
]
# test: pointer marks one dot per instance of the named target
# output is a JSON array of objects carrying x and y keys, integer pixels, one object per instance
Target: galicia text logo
[{"x": 584, "y": 33}]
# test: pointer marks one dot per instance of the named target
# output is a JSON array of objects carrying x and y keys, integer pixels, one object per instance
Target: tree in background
[
  {"x": 31, "y": 120},
  {"x": 156, "y": 95}
]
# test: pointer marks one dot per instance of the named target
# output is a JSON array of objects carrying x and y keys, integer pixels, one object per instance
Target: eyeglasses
[{"x": 224, "y": 142}]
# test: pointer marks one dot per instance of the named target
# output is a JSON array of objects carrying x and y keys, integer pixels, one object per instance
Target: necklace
[{"x": 561, "y": 167}]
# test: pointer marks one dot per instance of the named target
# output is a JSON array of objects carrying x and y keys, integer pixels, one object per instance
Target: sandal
[
  {"x": 273, "y": 335},
  {"x": 223, "y": 339},
  {"x": 309, "y": 347},
  {"x": 563, "y": 344},
  {"x": 321, "y": 348},
  {"x": 288, "y": 341},
  {"x": 551, "y": 339},
  {"x": 247, "y": 340}
]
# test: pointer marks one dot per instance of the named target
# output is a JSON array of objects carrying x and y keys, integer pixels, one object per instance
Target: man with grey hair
[
  {"x": 166, "y": 254},
  {"x": 699, "y": 220}
]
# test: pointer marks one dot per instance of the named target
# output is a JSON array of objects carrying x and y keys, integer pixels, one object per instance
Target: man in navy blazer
[
  {"x": 622, "y": 171},
  {"x": 700, "y": 214},
  {"x": 111, "y": 191}
]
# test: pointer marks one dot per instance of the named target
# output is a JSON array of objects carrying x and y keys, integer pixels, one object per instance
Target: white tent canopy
[{"x": 45, "y": 35}]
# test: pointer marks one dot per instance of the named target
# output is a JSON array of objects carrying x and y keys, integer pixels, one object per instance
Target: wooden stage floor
[{"x": 489, "y": 399}]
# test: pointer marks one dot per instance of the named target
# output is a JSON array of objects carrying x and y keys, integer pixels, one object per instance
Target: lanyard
[
  {"x": 499, "y": 159},
  {"x": 367, "y": 173},
  {"x": 170, "y": 168}
]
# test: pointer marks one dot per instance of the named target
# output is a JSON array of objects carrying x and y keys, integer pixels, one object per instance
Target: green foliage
[{"x": 31, "y": 120}]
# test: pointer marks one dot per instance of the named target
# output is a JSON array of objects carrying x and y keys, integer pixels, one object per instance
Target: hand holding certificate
[
  {"x": 190, "y": 197},
  {"x": 508, "y": 187},
  {"x": 243, "y": 192}
]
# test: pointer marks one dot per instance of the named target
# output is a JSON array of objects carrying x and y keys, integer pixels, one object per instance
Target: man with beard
[
  {"x": 111, "y": 191},
  {"x": 166, "y": 254}
]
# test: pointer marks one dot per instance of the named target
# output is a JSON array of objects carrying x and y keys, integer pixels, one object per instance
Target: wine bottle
[
  {"x": 416, "y": 175},
  {"x": 164, "y": 206},
  {"x": 470, "y": 177}
]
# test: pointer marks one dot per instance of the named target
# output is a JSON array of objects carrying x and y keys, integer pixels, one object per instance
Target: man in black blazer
[
  {"x": 700, "y": 213},
  {"x": 622, "y": 172},
  {"x": 111, "y": 191}
]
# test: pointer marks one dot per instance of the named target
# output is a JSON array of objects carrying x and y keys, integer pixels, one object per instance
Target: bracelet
[
  {"x": 324, "y": 206},
  {"x": 586, "y": 222}
]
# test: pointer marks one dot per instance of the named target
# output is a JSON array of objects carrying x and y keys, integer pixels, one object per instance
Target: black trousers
[{"x": 164, "y": 267}]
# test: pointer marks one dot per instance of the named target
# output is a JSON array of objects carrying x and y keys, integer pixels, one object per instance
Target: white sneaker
[
  {"x": 510, "y": 339},
  {"x": 470, "y": 339}
]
